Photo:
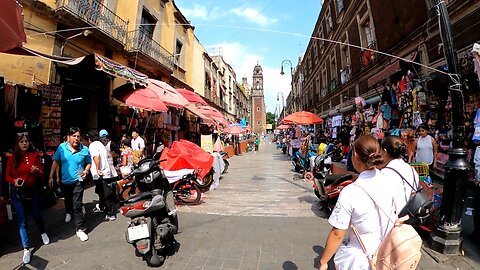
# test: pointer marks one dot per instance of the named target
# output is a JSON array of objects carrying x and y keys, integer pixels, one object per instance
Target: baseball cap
[
  {"x": 476, "y": 48},
  {"x": 103, "y": 133}
]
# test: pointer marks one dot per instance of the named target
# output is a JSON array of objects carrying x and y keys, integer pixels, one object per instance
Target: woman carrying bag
[{"x": 24, "y": 172}]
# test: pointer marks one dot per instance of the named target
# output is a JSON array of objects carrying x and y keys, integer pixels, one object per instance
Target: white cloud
[
  {"x": 254, "y": 16},
  {"x": 197, "y": 11},
  {"x": 243, "y": 60}
]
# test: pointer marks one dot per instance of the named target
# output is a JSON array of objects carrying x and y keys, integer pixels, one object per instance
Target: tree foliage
[{"x": 270, "y": 118}]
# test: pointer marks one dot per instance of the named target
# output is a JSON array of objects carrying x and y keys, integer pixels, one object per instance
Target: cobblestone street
[{"x": 260, "y": 217}]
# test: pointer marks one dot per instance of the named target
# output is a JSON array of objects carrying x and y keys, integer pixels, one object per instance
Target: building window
[
  {"x": 178, "y": 52},
  {"x": 147, "y": 24},
  {"x": 258, "y": 109},
  {"x": 258, "y": 123},
  {"x": 329, "y": 22},
  {"x": 367, "y": 34},
  {"x": 339, "y": 6}
]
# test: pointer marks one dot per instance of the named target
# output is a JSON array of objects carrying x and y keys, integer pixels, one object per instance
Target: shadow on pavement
[
  {"x": 288, "y": 265},
  {"x": 315, "y": 206}
]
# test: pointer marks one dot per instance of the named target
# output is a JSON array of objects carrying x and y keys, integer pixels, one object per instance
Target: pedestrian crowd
[{"x": 75, "y": 162}]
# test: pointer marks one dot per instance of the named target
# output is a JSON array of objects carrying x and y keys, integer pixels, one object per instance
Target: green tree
[{"x": 270, "y": 118}]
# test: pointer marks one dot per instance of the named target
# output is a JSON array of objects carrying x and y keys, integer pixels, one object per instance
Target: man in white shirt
[
  {"x": 137, "y": 143},
  {"x": 101, "y": 172}
]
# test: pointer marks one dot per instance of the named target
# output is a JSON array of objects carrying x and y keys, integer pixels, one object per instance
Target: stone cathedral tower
[{"x": 258, "y": 116}]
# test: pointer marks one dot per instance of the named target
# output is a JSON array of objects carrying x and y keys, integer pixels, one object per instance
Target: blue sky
[{"x": 265, "y": 31}]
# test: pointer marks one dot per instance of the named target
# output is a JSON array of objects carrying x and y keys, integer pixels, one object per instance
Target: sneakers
[
  {"x": 45, "y": 239},
  {"x": 110, "y": 218},
  {"x": 97, "y": 209},
  {"x": 26, "y": 256},
  {"x": 68, "y": 218},
  {"x": 82, "y": 235}
]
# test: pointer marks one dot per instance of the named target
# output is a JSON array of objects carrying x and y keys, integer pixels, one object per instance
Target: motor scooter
[
  {"x": 225, "y": 161},
  {"x": 327, "y": 185},
  {"x": 152, "y": 212},
  {"x": 302, "y": 162}
]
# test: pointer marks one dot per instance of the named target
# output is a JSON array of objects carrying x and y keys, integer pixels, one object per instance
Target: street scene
[{"x": 176, "y": 134}]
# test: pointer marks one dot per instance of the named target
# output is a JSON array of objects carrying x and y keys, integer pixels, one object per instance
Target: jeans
[
  {"x": 21, "y": 213},
  {"x": 105, "y": 202},
  {"x": 74, "y": 202}
]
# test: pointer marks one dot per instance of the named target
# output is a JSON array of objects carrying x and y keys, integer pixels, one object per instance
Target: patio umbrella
[
  {"x": 234, "y": 130},
  {"x": 283, "y": 127},
  {"x": 143, "y": 98},
  {"x": 168, "y": 94},
  {"x": 237, "y": 125},
  {"x": 210, "y": 111},
  {"x": 302, "y": 118},
  {"x": 191, "y": 96}
]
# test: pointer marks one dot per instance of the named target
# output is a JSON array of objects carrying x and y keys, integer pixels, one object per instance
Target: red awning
[
  {"x": 12, "y": 34},
  {"x": 389, "y": 70}
]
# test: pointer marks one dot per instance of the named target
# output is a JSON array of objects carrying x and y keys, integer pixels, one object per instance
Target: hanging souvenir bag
[{"x": 476, "y": 133}]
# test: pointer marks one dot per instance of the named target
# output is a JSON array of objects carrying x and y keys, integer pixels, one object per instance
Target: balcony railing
[
  {"x": 96, "y": 14},
  {"x": 139, "y": 41}
]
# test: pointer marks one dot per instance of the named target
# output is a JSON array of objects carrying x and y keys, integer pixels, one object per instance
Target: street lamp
[
  {"x": 446, "y": 238},
  {"x": 291, "y": 80},
  {"x": 85, "y": 33},
  {"x": 283, "y": 102}
]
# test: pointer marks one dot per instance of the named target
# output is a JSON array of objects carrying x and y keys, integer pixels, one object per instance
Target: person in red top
[{"x": 23, "y": 172}]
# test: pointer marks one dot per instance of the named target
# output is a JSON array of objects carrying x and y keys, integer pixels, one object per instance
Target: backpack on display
[
  {"x": 399, "y": 249},
  {"x": 419, "y": 205}
]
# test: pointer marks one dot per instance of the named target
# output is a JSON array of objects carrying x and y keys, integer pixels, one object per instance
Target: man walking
[
  {"x": 138, "y": 146},
  {"x": 102, "y": 175},
  {"x": 74, "y": 161}
]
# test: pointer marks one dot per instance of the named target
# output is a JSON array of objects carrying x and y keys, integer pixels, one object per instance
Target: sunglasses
[{"x": 22, "y": 134}]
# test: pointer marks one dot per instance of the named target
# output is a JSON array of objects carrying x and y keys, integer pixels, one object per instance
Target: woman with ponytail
[
  {"x": 397, "y": 171},
  {"x": 355, "y": 207}
]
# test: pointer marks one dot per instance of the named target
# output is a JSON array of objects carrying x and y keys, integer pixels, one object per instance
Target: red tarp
[{"x": 186, "y": 155}]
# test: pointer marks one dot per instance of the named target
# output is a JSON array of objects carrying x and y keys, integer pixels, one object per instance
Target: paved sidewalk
[{"x": 262, "y": 216}]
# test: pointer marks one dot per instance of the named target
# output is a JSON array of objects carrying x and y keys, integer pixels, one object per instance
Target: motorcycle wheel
[
  {"x": 298, "y": 168},
  {"x": 225, "y": 169},
  {"x": 188, "y": 193},
  {"x": 207, "y": 180},
  {"x": 317, "y": 194}
]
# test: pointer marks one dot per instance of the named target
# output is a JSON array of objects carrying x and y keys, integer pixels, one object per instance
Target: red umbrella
[
  {"x": 168, "y": 94},
  {"x": 283, "y": 127},
  {"x": 210, "y": 111},
  {"x": 142, "y": 98},
  {"x": 234, "y": 130},
  {"x": 12, "y": 34},
  {"x": 191, "y": 96},
  {"x": 302, "y": 118}
]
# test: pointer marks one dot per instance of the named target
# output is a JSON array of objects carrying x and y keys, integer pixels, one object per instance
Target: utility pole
[{"x": 446, "y": 237}]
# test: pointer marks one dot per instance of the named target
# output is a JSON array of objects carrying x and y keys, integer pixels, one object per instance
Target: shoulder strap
[{"x": 403, "y": 178}]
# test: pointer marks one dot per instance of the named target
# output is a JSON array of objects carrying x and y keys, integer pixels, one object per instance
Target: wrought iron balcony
[
  {"x": 94, "y": 13},
  {"x": 139, "y": 41},
  {"x": 333, "y": 85}
]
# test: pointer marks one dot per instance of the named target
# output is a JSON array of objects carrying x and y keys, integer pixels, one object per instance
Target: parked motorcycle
[
  {"x": 301, "y": 162},
  {"x": 327, "y": 186},
  {"x": 183, "y": 183},
  {"x": 225, "y": 161},
  {"x": 152, "y": 212}
]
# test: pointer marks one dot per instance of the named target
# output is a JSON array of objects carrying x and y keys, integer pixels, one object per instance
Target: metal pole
[{"x": 446, "y": 238}]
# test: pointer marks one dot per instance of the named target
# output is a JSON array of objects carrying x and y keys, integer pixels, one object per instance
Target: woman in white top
[
  {"x": 395, "y": 149},
  {"x": 425, "y": 147},
  {"x": 355, "y": 207}
]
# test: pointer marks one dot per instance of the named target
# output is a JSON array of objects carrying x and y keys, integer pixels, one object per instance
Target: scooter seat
[
  {"x": 334, "y": 179},
  {"x": 138, "y": 197}
]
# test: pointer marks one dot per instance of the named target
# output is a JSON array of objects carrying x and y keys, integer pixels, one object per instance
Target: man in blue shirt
[{"x": 75, "y": 162}]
